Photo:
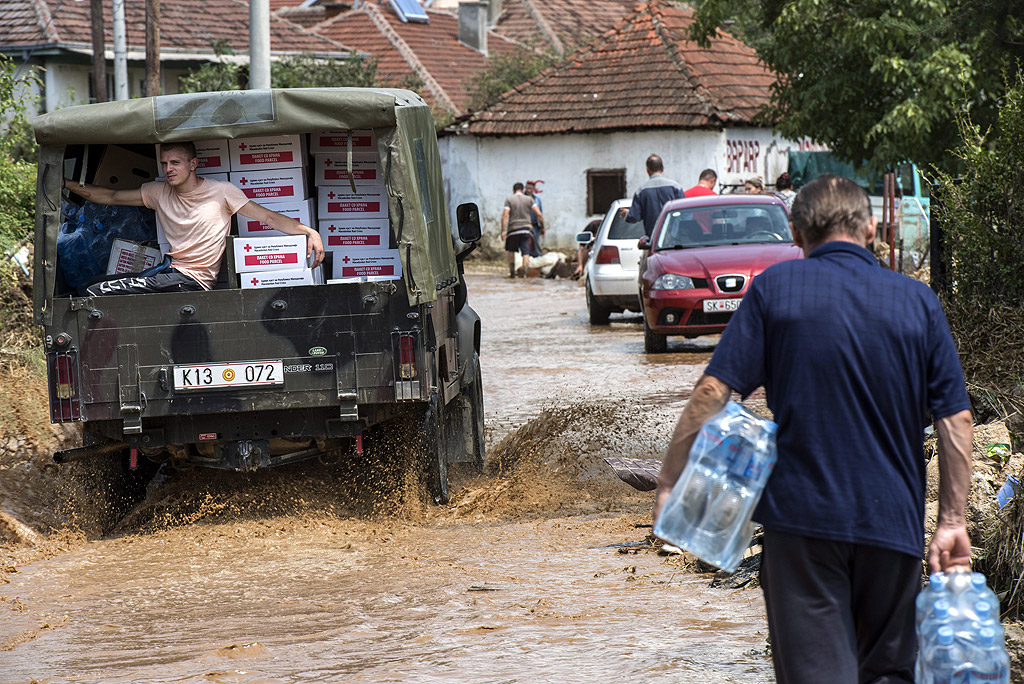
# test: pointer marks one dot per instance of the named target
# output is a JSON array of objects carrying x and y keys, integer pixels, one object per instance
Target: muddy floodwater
[{"x": 538, "y": 571}]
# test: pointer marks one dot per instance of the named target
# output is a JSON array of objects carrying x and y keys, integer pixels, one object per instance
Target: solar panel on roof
[{"x": 410, "y": 10}]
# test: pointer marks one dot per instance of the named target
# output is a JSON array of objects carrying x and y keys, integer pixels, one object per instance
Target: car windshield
[
  {"x": 724, "y": 225},
  {"x": 620, "y": 229}
]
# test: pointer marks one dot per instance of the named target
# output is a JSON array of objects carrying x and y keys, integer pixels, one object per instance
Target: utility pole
[
  {"x": 120, "y": 53},
  {"x": 99, "y": 58},
  {"x": 152, "y": 47},
  {"x": 259, "y": 44}
]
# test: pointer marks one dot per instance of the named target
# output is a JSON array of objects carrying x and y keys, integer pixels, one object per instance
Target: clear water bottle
[
  {"x": 944, "y": 662},
  {"x": 991, "y": 664},
  {"x": 708, "y": 511},
  {"x": 938, "y": 587}
]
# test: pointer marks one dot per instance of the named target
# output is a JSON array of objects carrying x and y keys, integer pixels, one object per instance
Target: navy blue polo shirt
[
  {"x": 649, "y": 199},
  {"x": 852, "y": 356}
]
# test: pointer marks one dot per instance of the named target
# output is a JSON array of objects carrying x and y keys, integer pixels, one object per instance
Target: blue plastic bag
[{"x": 88, "y": 232}]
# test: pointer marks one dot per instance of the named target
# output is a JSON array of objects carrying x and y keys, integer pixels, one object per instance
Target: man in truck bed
[{"x": 196, "y": 216}]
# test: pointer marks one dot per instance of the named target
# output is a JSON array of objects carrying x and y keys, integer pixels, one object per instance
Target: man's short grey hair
[
  {"x": 829, "y": 206},
  {"x": 654, "y": 164}
]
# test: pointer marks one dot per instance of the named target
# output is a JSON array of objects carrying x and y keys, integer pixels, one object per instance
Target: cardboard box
[
  {"x": 269, "y": 152},
  {"x": 289, "y": 278},
  {"x": 226, "y": 178},
  {"x": 301, "y": 211},
  {"x": 363, "y": 140},
  {"x": 212, "y": 156},
  {"x": 348, "y": 233},
  {"x": 268, "y": 187},
  {"x": 338, "y": 202},
  {"x": 332, "y": 169},
  {"x": 366, "y": 265},
  {"x": 270, "y": 253},
  {"x": 131, "y": 257},
  {"x": 122, "y": 169}
]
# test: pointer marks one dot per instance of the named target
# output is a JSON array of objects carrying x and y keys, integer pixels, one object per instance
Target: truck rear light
[
  {"x": 62, "y": 369},
  {"x": 406, "y": 357},
  {"x": 609, "y": 254}
]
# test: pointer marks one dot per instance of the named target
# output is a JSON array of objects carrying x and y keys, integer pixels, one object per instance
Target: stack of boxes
[
  {"x": 272, "y": 171},
  {"x": 353, "y": 225}
]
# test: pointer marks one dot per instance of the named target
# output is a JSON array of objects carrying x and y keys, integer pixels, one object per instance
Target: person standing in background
[
  {"x": 754, "y": 186},
  {"x": 784, "y": 190},
  {"x": 705, "y": 184},
  {"x": 531, "y": 191},
  {"x": 652, "y": 196},
  {"x": 517, "y": 229}
]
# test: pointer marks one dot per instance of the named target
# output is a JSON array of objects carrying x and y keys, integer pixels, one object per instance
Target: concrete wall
[{"x": 483, "y": 169}]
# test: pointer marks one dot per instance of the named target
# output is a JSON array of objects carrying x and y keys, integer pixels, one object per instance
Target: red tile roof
[
  {"x": 560, "y": 25},
  {"x": 410, "y": 53},
  {"x": 644, "y": 74},
  {"x": 186, "y": 26}
]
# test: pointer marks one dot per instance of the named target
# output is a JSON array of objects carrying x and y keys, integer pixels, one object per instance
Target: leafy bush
[
  {"x": 982, "y": 211},
  {"x": 17, "y": 154},
  {"x": 294, "y": 71},
  {"x": 504, "y": 72}
]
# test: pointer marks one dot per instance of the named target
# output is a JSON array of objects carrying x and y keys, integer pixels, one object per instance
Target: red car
[{"x": 701, "y": 258}]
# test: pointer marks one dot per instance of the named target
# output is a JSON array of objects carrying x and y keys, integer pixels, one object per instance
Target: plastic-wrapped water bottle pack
[
  {"x": 959, "y": 637},
  {"x": 708, "y": 512},
  {"x": 88, "y": 231}
]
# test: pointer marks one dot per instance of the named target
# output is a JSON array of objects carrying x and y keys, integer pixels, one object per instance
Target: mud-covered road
[{"x": 538, "y": 571}]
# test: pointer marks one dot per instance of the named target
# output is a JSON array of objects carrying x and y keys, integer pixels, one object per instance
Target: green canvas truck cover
[{"x": 406, "y": 143}]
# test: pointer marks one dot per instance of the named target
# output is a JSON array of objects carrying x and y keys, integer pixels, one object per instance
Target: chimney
[
  {"x": 493, "y": 11},
  {"x": 473, "y": 25}
]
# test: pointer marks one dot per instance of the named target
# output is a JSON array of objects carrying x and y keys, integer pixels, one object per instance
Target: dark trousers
[
  {"x": 170, "y": 280},
  {"x": 838, "y": 612}
]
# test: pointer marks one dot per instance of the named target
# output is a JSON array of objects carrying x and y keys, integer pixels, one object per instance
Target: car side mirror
[
  {"x": 467, "y": 217},
  {"x": 644, "y": 243},
  {"x": 584, "y": 238}
]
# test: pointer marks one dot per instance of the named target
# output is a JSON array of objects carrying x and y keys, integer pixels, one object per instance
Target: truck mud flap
[
  {"x": 345, "y": 375},
  {"x": 129, "y": 389}
]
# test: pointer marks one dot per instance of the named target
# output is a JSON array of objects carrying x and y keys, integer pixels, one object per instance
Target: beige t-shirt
[{"x": 195, "y": 224}]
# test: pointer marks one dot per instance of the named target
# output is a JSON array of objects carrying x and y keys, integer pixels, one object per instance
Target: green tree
[
  {"x": 17, "y": 153},
  {"x": 294, "y": 71},
  {"x": 308, "y": 71},
  {"x": 505, "y": 71},
  {"x": 881, "y": 81}
]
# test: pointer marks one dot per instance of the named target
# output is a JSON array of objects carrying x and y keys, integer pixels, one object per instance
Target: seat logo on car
[{"x": 318, "y": 351}]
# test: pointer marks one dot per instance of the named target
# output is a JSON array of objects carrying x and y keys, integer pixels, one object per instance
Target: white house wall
[{"x": 482, "y": 169}]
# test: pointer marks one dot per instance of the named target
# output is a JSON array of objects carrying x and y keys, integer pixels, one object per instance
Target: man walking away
[
  {"x": 853, "y": 357},
  {"x": 538, "y": 230},
  {"x": 652, "y": 196},
  {"x": 516, "y": 229},
  {"x": 705, "y": 184}
]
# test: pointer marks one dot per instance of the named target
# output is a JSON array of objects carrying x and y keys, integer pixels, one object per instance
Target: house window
[{"x": 604, "y": 186}]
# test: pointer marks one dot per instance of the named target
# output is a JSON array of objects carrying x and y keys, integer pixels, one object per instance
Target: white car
[{"x": 613, "y": 266}]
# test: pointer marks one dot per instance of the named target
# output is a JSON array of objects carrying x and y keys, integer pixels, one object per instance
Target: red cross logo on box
[
  {"x": 255, "y": 282},
  {"x": 327, "y": 162},
  {"x": 248, "y": 247},
  {"x": 331, "y": 195},
  {"x": 346, "y": 260},
  {"x": 243, "y": 181},
  {"x": 332, "y": 228},
  {"x": 241, "y": 146}
]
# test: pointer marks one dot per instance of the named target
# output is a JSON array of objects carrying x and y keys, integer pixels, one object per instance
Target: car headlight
[{"x": 671, "y": 281}]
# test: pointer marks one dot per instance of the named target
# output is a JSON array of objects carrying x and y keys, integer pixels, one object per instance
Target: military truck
[{"x": 245, "y": 378}]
